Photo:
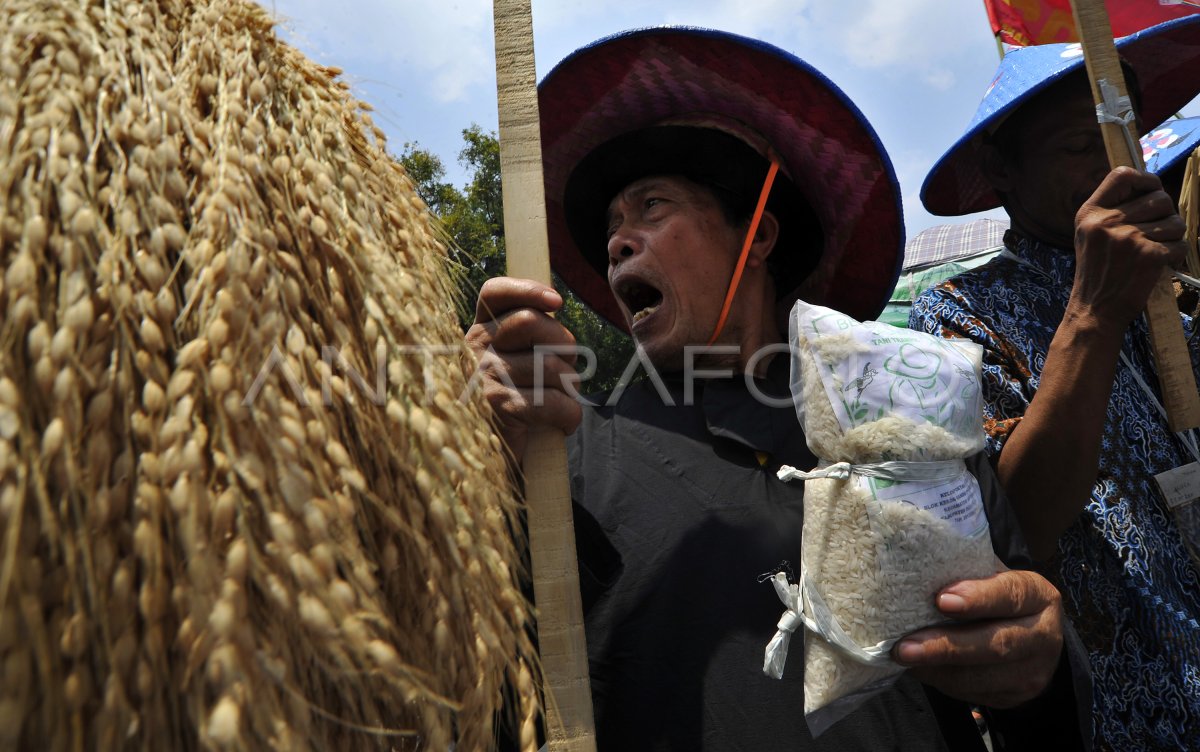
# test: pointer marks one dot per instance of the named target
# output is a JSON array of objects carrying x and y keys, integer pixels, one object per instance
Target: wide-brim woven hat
[
  {"x": 1165, "y": 58},
  {"x": 648, "y": 77},
  {"x": 1170, "y": 143}
]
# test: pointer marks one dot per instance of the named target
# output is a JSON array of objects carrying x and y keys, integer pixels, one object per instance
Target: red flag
[{"x": 1025, "y": 22}]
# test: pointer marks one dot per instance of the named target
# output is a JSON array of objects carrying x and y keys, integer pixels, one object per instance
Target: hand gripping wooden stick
[
  {"x": 568, "y": 695},
  {"x": 1175, "y": 375}
]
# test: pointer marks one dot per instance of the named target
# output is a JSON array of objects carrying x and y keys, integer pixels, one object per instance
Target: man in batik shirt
[{"x": 1075, "y": 423}]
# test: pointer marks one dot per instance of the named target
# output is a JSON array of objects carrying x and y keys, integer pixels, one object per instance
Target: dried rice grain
[{"x": 197, "y": 196}]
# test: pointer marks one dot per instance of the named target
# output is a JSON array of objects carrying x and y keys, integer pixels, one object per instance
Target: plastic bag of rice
[{"x": 891, "y": 514}]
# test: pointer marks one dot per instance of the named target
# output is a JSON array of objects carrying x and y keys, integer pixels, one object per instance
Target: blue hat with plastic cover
[
  {"x": 1165, "y": 58},
  {"x": 1170, "y": 143}
]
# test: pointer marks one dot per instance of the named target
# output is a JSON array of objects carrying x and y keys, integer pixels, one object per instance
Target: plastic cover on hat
[
  {"x": 1165, "y": 58},
  {"x": 1170, "y": 143},
  {"x": 650, "y": 77}
]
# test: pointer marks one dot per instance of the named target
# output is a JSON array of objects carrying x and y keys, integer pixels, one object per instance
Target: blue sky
[{"x": 916, "y": 68}]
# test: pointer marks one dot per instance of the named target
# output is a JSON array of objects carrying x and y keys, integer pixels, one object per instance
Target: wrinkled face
[
  {"x": 671, "y": 253},
  {"x": 1055, "y": 161}
]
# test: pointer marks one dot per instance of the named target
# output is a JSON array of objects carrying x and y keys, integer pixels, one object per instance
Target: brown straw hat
[{"x": 631, "y": 84}]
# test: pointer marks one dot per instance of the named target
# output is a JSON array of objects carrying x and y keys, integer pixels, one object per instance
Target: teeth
[{"x": 644, "y": 313}]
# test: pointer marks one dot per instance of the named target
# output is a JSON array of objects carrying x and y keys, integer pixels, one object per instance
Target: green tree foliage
[
  {"x": 470, "y": 219},
  {"x": 474, "y": 221}
]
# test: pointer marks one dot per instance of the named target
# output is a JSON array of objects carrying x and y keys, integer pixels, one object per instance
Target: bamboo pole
[
  {"x": 1174, "y": 364},
  {"x": 568, "y": 696}
]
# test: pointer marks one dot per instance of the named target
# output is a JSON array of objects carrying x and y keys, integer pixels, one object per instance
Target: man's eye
[
  {"x": 1081, "y": 145},
  {"x": 653, "y": 201}
]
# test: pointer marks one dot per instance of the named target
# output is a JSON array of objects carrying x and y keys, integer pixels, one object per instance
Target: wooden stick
[
  {"x": 568, "y": 694},
  {"x": 1175, "y": 375}
]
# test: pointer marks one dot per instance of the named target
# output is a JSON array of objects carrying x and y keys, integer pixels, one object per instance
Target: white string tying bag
[{"x": 891, "y": 514}]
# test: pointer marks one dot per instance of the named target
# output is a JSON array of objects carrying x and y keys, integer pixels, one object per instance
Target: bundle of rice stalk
[
  {"x": 1189, "y": 209},
  {"x": 218, "y": 530}
]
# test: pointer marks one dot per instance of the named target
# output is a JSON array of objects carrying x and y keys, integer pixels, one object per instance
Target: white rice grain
[{"x": 877, "y": 565}]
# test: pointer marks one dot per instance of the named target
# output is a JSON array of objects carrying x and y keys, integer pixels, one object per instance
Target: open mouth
[{"x": 640, "y": 298}]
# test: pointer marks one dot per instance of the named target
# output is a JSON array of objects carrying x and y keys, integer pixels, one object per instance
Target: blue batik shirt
[{"x": 1127, "y": 578}]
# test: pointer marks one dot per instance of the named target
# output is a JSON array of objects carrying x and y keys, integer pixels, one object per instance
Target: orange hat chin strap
[{"x": 741, "y": 264}]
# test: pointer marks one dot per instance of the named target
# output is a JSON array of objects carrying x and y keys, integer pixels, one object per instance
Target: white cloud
[
  {"x": 922, "y": 40},
  {"x": 749, "y": 17},
  {"x": 941, "y": 79},
  {"x": 443, "y": 49},
  {"x": 753, "y": 18}
]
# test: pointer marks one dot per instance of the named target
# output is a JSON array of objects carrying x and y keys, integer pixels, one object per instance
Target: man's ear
[
  {"x": 765, "y": 237},
  {"x": 994, "y": 167}
]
